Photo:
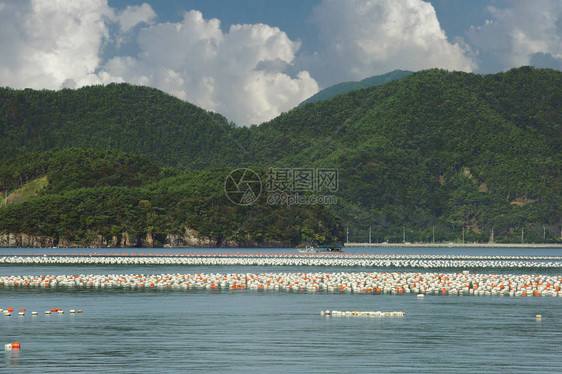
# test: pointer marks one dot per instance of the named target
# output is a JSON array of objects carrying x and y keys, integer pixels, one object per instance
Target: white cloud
[
  {"x": 520, "y": 32},
  {"x": 47, "y": 42},
  {"x": 239, "y": 73},
  {"x": 249, "y": 73},
  {"x": 133, "y": 15},
  {"x": 366, "y": 37}
]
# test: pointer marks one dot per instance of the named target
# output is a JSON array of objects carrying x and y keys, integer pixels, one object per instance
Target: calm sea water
[
  {"x": 273, "y": 332},
  {"x": 474, "y": 251}
]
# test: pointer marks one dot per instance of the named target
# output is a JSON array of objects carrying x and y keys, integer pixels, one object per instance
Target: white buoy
[
  {"x": 33, "y": 313},
  {"x": 420, "y": 296},
  {"x": 47, "y": 312},
  {"x": 538, "y": 316},
  {"x": 15, "y": 346}
]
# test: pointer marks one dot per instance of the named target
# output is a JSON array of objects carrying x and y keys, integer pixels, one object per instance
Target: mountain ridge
[{"x": 345, "y": 87}]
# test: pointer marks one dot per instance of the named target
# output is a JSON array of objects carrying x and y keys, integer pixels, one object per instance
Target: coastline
[{"x": 457, "y": 245}]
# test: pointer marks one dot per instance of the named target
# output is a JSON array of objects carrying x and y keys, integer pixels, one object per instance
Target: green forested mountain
[
  {"x": 345, "y": 87},
  {"x": 95, "y": 197},
  {"x": 129, "y": 118},
  {"x": 436, "y": 148},
  {"x": 439, "y": 149}
]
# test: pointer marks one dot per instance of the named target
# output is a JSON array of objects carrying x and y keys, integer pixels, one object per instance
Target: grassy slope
[{"x": 27, "y": 191}]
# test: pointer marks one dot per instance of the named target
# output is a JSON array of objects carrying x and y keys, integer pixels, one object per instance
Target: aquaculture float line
[
  {"x": 426, "y": 262},
  {"x": 295, "y": 255},
  {"x": 463, "y": 283},
  {"x": 357, "y": 313}
]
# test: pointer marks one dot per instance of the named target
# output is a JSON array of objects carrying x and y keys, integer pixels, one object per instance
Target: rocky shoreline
[{"x": 189, "y": 238}]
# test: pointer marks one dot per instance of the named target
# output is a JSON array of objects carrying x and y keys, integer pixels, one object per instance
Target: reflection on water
[{"x": 12, "y": 358}]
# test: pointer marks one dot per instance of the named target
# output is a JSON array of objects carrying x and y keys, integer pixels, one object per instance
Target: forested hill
[
  {"x": 345, "y": 87},
  {"x": 85, "y": 197},
  {"x": 436, "y": 148},
  {"x": 130, "y": 118},
  {"x": 439, "y": 149}
]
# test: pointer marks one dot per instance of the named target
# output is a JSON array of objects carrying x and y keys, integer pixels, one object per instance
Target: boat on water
[{"x": 320, "y": 249}]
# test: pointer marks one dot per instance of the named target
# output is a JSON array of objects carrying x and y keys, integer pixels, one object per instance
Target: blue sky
[
  {"x": 293, "y": 17},
  {"x": 252, "y": 60}
]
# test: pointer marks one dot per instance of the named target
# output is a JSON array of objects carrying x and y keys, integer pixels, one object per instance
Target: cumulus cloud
[
  {"x": 46, "y": 42},
  {"x": 239, "y": 73},
  {"x": 133, "y": 15},
  {"x": 522, "y": 33},
  {"x": 366, "y": 37},
  {"x": 250, "y": 73}
]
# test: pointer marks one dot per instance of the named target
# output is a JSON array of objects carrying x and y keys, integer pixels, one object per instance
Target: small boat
[{"x": 320, "y": 249}]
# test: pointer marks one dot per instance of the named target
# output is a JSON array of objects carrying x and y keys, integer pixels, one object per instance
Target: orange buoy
[{"x": 10, "y": 310}]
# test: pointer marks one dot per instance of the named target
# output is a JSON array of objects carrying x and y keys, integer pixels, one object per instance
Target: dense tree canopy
[
  {"x": 91, "y": 193},
  {"x": 449, "y": 151}
]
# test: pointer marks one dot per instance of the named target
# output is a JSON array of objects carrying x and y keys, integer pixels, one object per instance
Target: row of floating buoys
[
  {"x": 463, "y": 283},
  {"x": 298, "y": 255},
  {"x": 8, "y": 311},
  {"x": 397, "y": 261},
  {"x": 357, "y": 313}
]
